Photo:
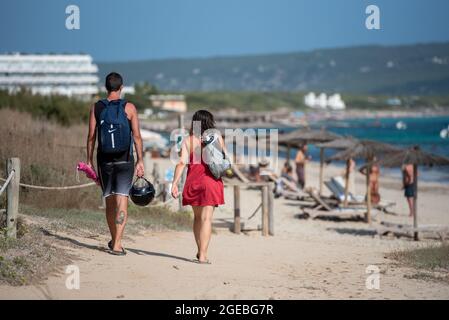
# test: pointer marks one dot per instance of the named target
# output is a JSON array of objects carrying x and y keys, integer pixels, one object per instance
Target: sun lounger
[
  {"x": 330, "y": 207},
  {"x": 336, "y": 187},
  {"x": 324, "y": 206},
  {"x": 293, "y": 192},
  {"x": 320, "y": 203},
  {"x": 239, "y": 174}
]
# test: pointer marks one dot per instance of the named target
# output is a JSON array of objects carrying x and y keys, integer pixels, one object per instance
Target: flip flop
[
  {"x": 202, "y": 262},
  {"x": 110, "y": 245},
  {"x": 118, "y": 253}
]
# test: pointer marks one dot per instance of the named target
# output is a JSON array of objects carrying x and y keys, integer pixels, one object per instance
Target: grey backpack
[{"x": 214, "y": 157}]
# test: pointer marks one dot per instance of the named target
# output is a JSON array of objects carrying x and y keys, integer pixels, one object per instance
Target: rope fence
[
  {"x": 30, "y": 186},
  {"x": 7, "y": 181},
  {"x": 90, "y": 184}
]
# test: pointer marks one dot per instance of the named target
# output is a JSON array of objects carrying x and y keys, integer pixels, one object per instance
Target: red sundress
[{"x": 201, "y": 188}]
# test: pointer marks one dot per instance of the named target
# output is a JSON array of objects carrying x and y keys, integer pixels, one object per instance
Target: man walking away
[{"x": 117, "y": 126}]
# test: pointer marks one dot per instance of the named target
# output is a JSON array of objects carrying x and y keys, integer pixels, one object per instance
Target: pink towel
[{"x": 88, "y": 170}]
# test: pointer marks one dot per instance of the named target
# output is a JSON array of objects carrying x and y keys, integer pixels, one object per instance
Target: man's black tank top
[{"x": 126, "y": 156}]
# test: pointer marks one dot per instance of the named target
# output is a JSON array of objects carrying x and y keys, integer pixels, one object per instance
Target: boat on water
[
  {"x": 401, "y": 125},
  {"x": 444, "y": 134}
]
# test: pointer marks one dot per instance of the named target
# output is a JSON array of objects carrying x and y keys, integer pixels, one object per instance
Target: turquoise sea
[{"x": 422, "y": 131}]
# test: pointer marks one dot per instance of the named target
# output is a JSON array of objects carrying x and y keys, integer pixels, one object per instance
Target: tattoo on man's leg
[{"x": 120, "y": 218}]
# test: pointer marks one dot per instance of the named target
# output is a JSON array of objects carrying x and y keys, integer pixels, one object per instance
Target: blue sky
[{"x": 113, "y": 30}]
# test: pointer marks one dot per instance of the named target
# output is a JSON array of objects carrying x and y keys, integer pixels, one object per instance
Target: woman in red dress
[{"x": 201, "y": 190}]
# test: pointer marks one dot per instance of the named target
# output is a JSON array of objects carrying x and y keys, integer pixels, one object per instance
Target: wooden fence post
[
  {"x": 415, "y": 203},
  {"x": 265, "y": 210},
  {"x": 237, "y": 226},
  {"x": 368, "y": 194},
  {"x": 270, "y": 209},
  {"x": 321, "y": 170},
  {"x": 183, "y": 176},
  {"x": 146, "y": 163},
  {"x": 12, "y": 192}
]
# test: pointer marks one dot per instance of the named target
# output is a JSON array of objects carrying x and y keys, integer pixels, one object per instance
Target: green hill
[{"x": 409, "y": 69}]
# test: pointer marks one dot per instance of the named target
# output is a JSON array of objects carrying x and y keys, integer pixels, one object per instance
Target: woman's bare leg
[
  {"x": 205, "y": 231},
  {"x": 197, "y": 226}
]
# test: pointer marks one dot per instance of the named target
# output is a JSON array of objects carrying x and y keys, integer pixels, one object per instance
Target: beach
[{"x": 305, "y": 259}]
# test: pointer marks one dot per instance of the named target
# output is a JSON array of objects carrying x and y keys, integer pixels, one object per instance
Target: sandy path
[
  {"x": 307, "y": 259},
  {"x": 244, "y": 267}
]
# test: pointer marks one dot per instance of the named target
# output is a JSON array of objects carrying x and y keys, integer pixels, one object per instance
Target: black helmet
[{"x": 142, "y": 192}]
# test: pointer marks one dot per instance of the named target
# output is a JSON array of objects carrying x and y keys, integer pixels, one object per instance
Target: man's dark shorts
[
  {"x": 409, "y": 191},
  {"x": 116, "y": 178}
]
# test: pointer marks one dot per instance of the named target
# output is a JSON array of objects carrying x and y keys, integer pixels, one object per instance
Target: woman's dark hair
[{"x": 205, "y": 118}]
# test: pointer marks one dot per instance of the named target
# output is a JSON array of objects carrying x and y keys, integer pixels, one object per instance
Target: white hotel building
[{"x": 47, "y": 74}]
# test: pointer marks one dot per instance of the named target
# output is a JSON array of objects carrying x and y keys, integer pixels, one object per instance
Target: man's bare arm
[
  {"x": 91, "y": 137},
  {"x": 133, "y": 117}
]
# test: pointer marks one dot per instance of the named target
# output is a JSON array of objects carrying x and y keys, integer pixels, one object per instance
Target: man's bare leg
[
  {"x": 110, "y": 215},
  {"x": 411, "y": 204},
  {"x": 121, "y": 216}
]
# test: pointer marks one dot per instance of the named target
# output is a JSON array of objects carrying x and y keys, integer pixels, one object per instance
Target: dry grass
[
  {"x": 86, "y": 222},
  {"x": 48, "y": 153},
  {"x": 31, "y": 257},
  {"x": 430, "y": 263}
]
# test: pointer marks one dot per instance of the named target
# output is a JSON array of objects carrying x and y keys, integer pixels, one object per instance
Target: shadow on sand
[
  {"x": 105, "y": 250},
  {"x": 355, "y": 218},
  {"x": 157, "y": 254},
  {"x": 354, "y": 232}
]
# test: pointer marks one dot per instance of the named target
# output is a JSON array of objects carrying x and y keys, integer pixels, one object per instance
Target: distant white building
[
  {"x": 321, "y": 101},
  {"x": 335, "y": 102},
  {"x": 46, "y": 74},
  {"x": 310, "y": 100},
  {"x": 395, "y": 102},
  {"x": 174, "y": 103}
]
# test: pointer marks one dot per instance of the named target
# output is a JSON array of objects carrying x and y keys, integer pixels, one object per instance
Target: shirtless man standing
[{"x": 408, "y": 181}]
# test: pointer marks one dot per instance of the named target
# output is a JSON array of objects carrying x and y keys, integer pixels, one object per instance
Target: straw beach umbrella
[
  {"x": 303, "y": 136},
  {"x": 306, "y": 135},
  {"x": 299, "y": 137},
  {"x": 368, "y": 150},
  {"x": 416, "y": 157},
  {"x": 339, "y": 144}
]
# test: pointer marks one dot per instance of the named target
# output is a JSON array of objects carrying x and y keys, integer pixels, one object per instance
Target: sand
[{"x": 306, "y": 259}]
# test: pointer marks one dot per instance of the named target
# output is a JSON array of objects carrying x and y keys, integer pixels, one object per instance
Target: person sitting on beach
[
  {"x": 254, "y": 173},
  {"x": 373, "y": 181},
  {"x": 264, "y": 170},
  {"x": 287, "y": 172},
  {"x": 408, "y": 182},
  {"x": 300, "y": 161}
]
